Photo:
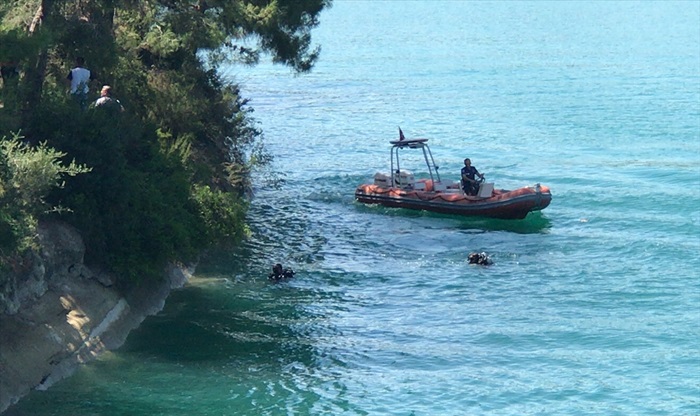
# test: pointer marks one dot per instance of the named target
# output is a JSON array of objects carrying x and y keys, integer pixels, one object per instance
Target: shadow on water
[
  {"x": 206, "y": 324},
  {"x": 226, "y": 347},
  {"x": 534, "y": 223}
]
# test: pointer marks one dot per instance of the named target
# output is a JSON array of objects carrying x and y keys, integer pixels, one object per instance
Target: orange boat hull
[{"x": 515, "y": 204}]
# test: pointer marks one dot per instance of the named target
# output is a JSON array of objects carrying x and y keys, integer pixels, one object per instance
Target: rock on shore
[{"x": 56, "y": 313}]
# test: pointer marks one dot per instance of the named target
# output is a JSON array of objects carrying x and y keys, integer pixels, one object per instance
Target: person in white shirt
[{"x": 79, "y": 78}]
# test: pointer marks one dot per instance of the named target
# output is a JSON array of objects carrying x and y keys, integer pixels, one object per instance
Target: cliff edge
[{"x": 56, "y": 313}]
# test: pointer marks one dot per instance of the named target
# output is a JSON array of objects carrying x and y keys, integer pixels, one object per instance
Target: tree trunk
[{"x": 35, "y": 72}]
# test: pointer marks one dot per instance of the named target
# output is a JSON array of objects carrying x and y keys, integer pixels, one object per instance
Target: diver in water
[
  {"x": 480, "y": 258},
  {"x": 279, "y": 273}
]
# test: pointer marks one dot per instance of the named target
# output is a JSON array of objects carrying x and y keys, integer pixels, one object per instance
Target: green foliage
[
  {"x": 16, "y": 48},
  {"x": 27, "y": 175},
  {"x": 180, "y": 148},
  {"x": 17, "y": 45},
  {"x": 223, "y": 214},
  {"x": 30, "y": 172},
  {"x": 170, "y": 174},
  {"x": 134, "y": 208}
]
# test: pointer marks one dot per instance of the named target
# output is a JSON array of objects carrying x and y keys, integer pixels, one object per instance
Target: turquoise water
[{"x": 592, "y": 306}]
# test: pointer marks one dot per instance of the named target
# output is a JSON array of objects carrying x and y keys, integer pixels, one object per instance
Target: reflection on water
[{"x": 535, "y": 222}]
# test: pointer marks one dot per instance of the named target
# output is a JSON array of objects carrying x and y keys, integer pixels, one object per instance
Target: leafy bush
[
  {"x": 138, "y": 207},
  {"x": 27, "y": 175},
  {"x": 134, "y": 208},
  {"x": 223, "y": 214}
]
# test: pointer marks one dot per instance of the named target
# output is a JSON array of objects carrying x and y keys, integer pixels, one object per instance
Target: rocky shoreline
[{"x": 57, "y": 313}]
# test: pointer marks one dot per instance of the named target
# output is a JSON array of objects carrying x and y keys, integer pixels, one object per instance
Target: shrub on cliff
[
  {"x": 223, "y": 214},
  {"x": 134, "y": 209},
  {"x": 27, "y": 175}
]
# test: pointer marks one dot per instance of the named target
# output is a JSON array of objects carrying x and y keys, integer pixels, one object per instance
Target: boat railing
[{"x": 433, "y": 169}]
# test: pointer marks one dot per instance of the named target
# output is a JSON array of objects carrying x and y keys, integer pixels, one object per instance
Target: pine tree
[{"x": 179, "y": 158}]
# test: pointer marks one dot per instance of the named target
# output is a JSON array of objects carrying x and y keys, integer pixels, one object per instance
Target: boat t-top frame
[{"x": 412, "y": 144}]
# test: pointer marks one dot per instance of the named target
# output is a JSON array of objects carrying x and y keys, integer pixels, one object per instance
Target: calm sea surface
[{"x": 592, "y": 306}]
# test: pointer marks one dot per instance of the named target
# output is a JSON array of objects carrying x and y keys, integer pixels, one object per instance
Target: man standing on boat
[{"x": 469, "y": 174}]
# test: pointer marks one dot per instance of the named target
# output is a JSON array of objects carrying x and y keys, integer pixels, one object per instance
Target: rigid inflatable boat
[{"x": 400, "y": 189}]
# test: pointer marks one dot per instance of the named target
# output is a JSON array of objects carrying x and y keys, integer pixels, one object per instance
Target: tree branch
[{"x": 38, "y": 17}]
